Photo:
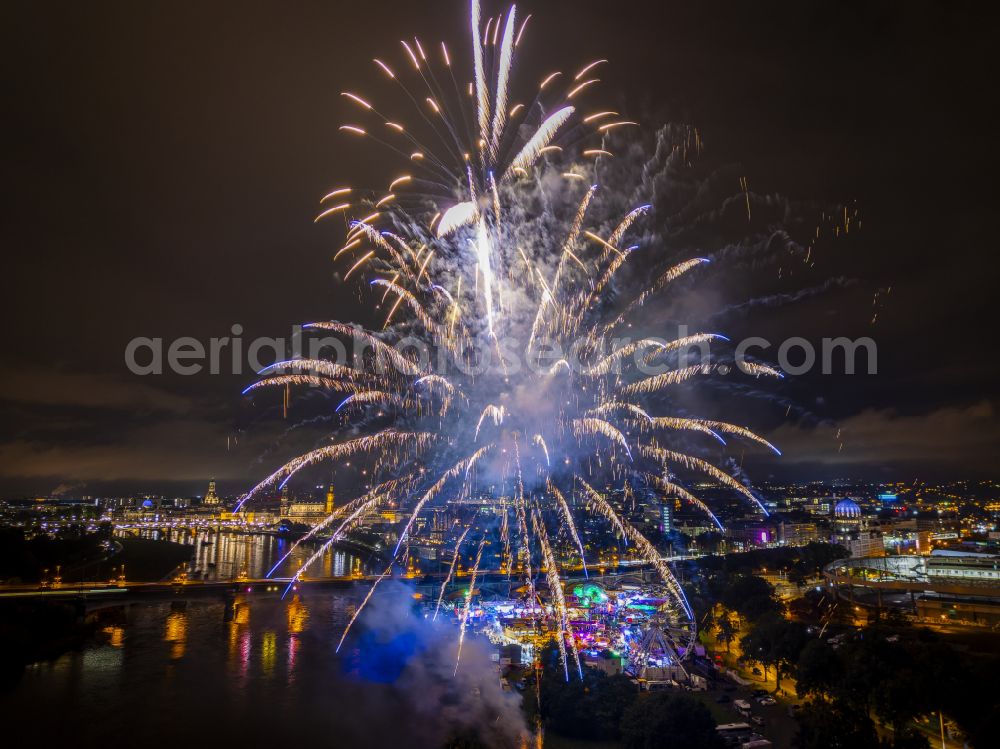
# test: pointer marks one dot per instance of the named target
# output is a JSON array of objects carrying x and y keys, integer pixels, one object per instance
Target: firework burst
[{"x": 502, "y": 366}]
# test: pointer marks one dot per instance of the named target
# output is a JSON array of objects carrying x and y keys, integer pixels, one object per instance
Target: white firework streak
[
  {"x": 503, "y": 77},
  {"x": 459, "y": 215},
  {"x": 354, "y": 517},
  {"x": 305, "y": 381},
  {"x": 451, "y": 572},
  {"x": 339, "y": 512},
  {"x": 388, "y": 356},
  {"x": 669, "y": 487},
  {"x": 482, "y": 93},
  {"x": 671, "y": 274},
  {"x": 505, "y": 537},
  {"x": 646, "y": 549},
  {"x": 384, "y": 439},
  {"x": 318, "y": 367},
  {"x": 371, "y": 592},
  {"x": 568, "y": 517},
  {"x": 555, "y": 587},
  {"x": 463, "y": 465},
  {"x": 590, "y": 425},
  {"x": 468, "y": 604},
  {"x": 658, "y": 382},
  {"x": 494, "y": 412},
  {"x": 606, "y": 365},
  {"x": 540, "y": 441},
  {"x": 529, "y": 153},
  {"x": 611, "y": 406},
  {"x": 689, "y": 461}
]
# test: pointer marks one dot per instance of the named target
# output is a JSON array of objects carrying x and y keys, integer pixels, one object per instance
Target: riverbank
[{"x": 147, "y": 561}]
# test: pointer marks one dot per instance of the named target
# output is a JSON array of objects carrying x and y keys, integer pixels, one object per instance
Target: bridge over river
[{"x": 96, "y": 595}]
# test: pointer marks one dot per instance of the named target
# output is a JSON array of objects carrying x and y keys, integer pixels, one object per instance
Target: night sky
[{"x": 164, "y": 162}]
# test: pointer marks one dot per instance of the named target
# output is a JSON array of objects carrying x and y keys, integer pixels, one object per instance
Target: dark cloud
[
  {"x": 166, "y": 160},
  {"x": 179, "y": 450},
  {"x": 949, "y": 437},
  {"x": 86, "y": 390}
]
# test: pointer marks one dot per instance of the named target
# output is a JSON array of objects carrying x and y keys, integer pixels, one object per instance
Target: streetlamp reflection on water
[{"x": 175, "y": 633}]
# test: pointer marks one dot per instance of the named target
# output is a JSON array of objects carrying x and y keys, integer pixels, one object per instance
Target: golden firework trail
[
  {"x": 494, "y": 238},
  {"x": 558, "y": 597}
]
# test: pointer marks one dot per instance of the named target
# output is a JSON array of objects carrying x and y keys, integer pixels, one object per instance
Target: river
[
  {"x": 260, "y": 671},
  {"x": 224, "y": 556}
]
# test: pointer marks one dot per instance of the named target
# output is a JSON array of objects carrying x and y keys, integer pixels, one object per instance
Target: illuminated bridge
[{"x": 94, "y": 595}]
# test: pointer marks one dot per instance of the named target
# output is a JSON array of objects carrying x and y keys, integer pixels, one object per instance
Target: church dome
[{"x": 847, "y": 508}]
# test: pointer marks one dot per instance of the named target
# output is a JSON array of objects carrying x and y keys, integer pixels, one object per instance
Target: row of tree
[
  {"x": 608, "y": 708},
  {"x": 26, "y": 560},
  {"x": 799, "y": 563},
  {"x": 895, "y": 674},
  {"x": 898, "y": 677}
]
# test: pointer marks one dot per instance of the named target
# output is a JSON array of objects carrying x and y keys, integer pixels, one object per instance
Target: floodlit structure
[{"x": 949, "y": 585}]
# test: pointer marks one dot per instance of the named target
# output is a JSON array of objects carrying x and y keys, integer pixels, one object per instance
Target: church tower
[{"x": 212, "y": 498}]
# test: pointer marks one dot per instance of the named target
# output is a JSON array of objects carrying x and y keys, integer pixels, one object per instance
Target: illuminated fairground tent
[{"x": 588, "y": 594}]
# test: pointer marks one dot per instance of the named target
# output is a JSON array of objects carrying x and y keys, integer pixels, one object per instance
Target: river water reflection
[
  {"x": 244, "y": 667},
  {"x": 206, "y": 672},
  {"x": 224, "y": 556}
]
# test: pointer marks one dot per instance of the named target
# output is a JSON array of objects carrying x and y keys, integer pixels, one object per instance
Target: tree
[
  {"x": 774, "y": 642},
  {"x": 707, "y": 619},
  {"x": 868, "y": 663},
  {"x": 899, "y": 679},
  {"x": 924, "y": 679},
  {"x": 669, "y": 720},
  {"x": 615, "y": 697},
  {"x": 901, "y": 698},
  {"x": 793, "y": 637},
  {"x": 833, "y": 725},
  {"x": 984, "y": 731},
  {"x": 589, "y": 708},
  {"x": 815, "y": 556},
  {"x": 709, "y": 540},
  {"x": 751, "y": 596},
  {"x": 797, "y": 576},
  {"x": 727, "y": 630},
  {"x": 975, "y": 708},
  {"x": 758, "y": 607},
  {"x": 819, "y": 669}
]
